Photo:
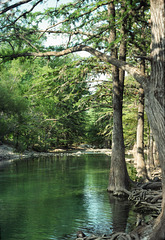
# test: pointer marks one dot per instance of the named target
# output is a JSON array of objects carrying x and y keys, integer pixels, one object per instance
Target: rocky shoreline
[{"x": 8, "y": 153}]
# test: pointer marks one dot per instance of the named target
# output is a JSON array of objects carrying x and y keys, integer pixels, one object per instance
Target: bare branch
[
  {"x": 24, "y": 14},
  {"x": 14, "y": 6}
]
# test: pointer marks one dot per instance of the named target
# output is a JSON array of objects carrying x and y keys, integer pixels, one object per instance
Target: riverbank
[{"x": 9, "y": 153}]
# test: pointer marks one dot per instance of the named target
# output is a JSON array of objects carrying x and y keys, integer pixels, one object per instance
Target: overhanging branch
[{"x": 133, "y": 71}]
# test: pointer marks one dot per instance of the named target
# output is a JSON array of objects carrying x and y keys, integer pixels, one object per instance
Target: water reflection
[
  {"x": 120, "y": 213},
  {"x": 99, "y": 214},
  {"x": 53, "y": 198}
]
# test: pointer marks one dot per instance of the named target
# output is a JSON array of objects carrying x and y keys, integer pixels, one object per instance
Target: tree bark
[
  {"x": 151, "y": 157},
  {"x": 118, "y": 178},
  {"x": 155, "y": 99},
  {"x": 148, "y": 153},
  {"x": 155, "y": 155}
]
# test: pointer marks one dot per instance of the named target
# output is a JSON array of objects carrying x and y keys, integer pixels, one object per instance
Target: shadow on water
[
  {"x": 120, "y": 213},
  {"x": 53, "y": 198}
]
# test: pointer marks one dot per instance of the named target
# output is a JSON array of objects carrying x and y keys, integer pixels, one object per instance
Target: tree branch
[
  {"x": 25, "y": 13},
  {"x": 149, "y": 58},
  {"x": 14, "y": 6},
  {"x": 133, "y": 71},
  {"x": 75, "y": 32},
  {"x": 68, "y": 19},
  {"x": 26, "y": 40}
]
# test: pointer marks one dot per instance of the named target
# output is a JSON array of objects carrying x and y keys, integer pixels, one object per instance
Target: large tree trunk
[
  {"x": 118, "y": 179},
  {"x": 155, "y": 99}
]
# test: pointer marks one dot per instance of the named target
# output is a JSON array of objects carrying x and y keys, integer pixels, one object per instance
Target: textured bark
[
  {"x": 155, "y": 99},
  {"x": 118, "y": 179},
  {"x": 155, "y": 155},
  {"x": 150, "y": 154}
]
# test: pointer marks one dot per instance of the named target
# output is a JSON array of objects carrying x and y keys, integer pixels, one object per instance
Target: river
[{"x": 54, "y": 197}]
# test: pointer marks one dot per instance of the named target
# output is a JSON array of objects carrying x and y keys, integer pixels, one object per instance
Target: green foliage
[
  {"x": 49, "y": 102},
  {"x": 43, "y": 103},
  {"x": 132, "y": 172},
  {"x": 46, "y": 104},
  {"x": 13, "y": 106},
  {"x": 130, "y": 113}
]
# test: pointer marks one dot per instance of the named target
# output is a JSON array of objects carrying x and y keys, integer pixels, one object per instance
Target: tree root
[
  {"x": 134, "y": 236},
  {"x": 155, "y": 199},
  {"x": 121, "y": 236},
  {"x": 114, "y": 236},
  {"x": 146, "y": 199},
  {"x": 152, "y": 185}
]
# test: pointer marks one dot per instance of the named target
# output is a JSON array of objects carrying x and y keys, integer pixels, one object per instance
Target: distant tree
[{"x": 141, "y": 165}]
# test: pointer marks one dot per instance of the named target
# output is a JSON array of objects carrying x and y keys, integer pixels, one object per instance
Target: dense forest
[
  {"x": 45, "y": 104},
  {"x": 51, "y": 96}
]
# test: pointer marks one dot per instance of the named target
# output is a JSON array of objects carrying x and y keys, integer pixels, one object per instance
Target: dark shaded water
[{"x": 53, "y": 198}]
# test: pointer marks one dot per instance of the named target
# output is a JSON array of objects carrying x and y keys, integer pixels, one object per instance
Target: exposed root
[
  {"x": 152, "y": 185},
  {"x": 146, "y": 200},
  {"x": 121, "y": 236},
  {"x": 114, "y": 236},
  {"x": 134, "y": 236},
  {"x": 120, "y": 192}
]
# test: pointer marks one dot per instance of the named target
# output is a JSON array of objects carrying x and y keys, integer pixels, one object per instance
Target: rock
[
  {"x": 80, "y": 234},
  {"x": 78, "y": 153}
]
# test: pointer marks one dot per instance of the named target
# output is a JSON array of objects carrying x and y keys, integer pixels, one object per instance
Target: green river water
[{"x": 54, "y": 197}]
